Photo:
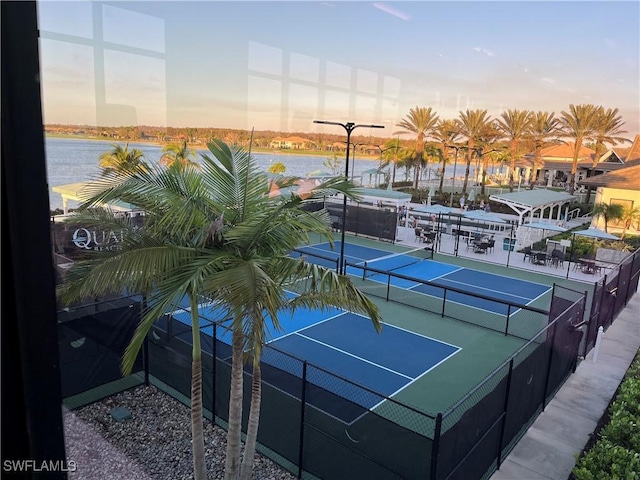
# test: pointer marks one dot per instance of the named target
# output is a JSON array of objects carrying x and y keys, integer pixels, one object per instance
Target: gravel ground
[{"x": 154, "y": 444}]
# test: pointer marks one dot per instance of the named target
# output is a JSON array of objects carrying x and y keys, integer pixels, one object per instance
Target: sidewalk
[{"x": 547, "y": 451}]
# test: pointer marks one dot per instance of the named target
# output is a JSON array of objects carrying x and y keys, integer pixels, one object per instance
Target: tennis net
[{"x": 394, "y": 261}]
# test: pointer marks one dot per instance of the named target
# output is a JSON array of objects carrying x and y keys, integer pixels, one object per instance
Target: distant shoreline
[{"x": 302, "y": 153}]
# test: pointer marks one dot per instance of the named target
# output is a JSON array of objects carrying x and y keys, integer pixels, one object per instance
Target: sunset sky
[{"x": 281, "y": 65}]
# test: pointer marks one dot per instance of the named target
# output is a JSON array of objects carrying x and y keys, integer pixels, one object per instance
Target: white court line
[
  {"x": 355, "y": 356},
  {"x": 422, "y": 374},
  {"x": 488, "y": 290},
  {"x": 309, "y": 326}
]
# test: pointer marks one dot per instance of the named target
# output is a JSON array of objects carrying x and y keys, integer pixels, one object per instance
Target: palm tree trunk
[
  {"x": 466, "y": 174},
  {"x": 197, "y": 430},
  {"x": 232, "y": 461},
  {"x": 574, "y": 165},
  {"x": 252, "y": 427}
]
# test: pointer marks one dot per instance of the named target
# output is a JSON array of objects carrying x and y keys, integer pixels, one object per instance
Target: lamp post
[
  {"x": 349, "y": 127},
  {"x": 455, "y": 165},
  {"x": 382, "y": 150},
  {"x": 353, "y": 170}
]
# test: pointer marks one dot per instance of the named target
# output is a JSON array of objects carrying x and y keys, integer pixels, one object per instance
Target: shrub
[
  {"x": 608, "y": 461},
  {"x": 616, "y": 455}
]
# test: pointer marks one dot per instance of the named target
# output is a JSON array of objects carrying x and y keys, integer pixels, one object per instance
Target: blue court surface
[
  {"x": 498, "y": 287},
  {"x": 374, "y": 365}
]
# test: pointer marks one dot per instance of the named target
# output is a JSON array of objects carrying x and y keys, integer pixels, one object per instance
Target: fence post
[
  {"x": 596, "y": 348},
  {"x": 214, "y": 371},
  {"x": 596, "y": 317},
  {"x": 145, "y": 359},
  {"x": 504, "y": 420},
  {"x": 145, "y": 345},
  {"x": 435, "y": 447},
  {"x": 303, "y": 396},
  {"x": 546, "y": 381}
]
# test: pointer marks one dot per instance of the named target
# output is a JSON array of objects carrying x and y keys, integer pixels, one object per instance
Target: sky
[{"x": 280, "y": 65}]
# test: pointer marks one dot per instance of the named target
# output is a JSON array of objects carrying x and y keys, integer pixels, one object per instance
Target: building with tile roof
[{"x": 621, "y": 186}]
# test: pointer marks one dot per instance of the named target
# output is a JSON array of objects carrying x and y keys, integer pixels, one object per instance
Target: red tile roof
[
  {"x": 565, "y": 150},
  {"x": 633, "y": 157},
  {"x": 627, "y": 178}
]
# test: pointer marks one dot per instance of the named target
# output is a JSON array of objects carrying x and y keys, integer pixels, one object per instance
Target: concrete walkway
[{"x": 547, "y": 451}]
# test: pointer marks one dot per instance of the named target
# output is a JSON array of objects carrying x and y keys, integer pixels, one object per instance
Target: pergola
[
  {"x": 541, "y": 201},
  {"x": 80, "y": 191},
  {"x": 386, "y": 197}
]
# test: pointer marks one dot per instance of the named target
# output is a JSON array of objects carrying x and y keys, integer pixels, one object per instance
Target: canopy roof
[
  {"x": 80, "y": 191},
  {"x": 528, "y": 201},
  {"x": 389, "y": 197}
]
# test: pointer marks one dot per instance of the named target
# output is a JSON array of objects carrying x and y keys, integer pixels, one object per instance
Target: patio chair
[
  {"x": 541, "y": 258},
  {"x": 557, "y": 258},
  {"x": 481, "y": 247},
  {"x": 527, "y": 254},
  {"x": 492, "y": 244},
  {"x": 418, "y": 232}
]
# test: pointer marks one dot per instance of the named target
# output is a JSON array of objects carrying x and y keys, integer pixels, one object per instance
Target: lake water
[{"x": 71, "y": 160}]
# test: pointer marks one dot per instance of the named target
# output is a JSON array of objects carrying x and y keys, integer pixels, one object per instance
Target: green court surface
[{"x": 482, "y": 350}]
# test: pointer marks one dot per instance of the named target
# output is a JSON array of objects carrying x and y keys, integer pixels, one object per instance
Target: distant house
[
  {"x": 337, "y": 147},
  {"x": 294, "y": 143},
  {"x": 557, "y": 160}
]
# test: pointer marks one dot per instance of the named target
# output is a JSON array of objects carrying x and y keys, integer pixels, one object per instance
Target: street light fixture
[
  {"x": 455, "y": 165},
  {"x": 349, "y": 127},
  {"x": 382, "y": 150}
]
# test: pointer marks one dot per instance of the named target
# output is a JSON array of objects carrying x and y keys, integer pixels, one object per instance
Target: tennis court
[
  {"x": 333, "y": 341},
  {"x": 413, "y": 267}
]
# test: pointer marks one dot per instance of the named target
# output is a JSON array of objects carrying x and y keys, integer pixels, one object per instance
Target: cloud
[
  {"x": 392, "y": 11},
  {"x": 488, "y": 53},
  {"x": 549, "y": 80}
]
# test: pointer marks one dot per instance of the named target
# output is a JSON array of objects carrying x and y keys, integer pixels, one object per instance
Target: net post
[
  {"x": 444, "y": 301},
  {"x": 388, "y": 286},
  {"x": 506, "y": 327},
  {"x": 435, "y": 447},
  {"x": 504, "y": 419},
  {"x": 364, "y": 270},
  {"x": 303, "y": 395}
]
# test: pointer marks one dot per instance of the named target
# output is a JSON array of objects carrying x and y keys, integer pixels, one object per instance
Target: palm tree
[
  {"x": 607, "y": 129},
  {"x": 446, "y": 134},
  {"x": 121, "y": 158},
  {"x": 213, "y": 233},
  {"x": 514, "y": 124},
  {"x": 542, "y": 127},
  {"x": 630, "y": 215},
  {"x": 608, "y": 211},
  {"x": 180, "y": 155},
  {"x": 487, "y": 139},
  {"x": 472, "y": 124},
  {"x": 579, "y": 124},
  {"x": 420, "y": 121},
  {"x": 390, "y": 152}
]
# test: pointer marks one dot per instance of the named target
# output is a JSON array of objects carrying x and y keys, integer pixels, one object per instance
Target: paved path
[{"x": 547, "y": 449}]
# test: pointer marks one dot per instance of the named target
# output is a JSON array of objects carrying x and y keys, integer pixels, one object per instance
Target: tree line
[{"x": 515, "y": 132}]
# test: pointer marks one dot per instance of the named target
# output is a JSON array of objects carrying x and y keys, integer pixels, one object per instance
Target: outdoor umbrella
[
  {"x": 591, "y": 232},
  {"x": 482, "y": 215},
  {"x": 472, "y": 196},
  {"x": 435, "y": 209},
  {"x": 552, "y": 227}
]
